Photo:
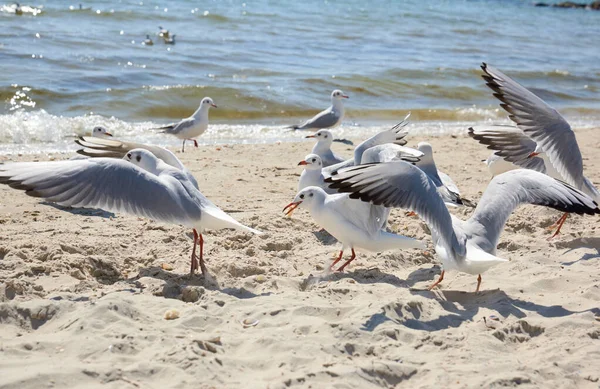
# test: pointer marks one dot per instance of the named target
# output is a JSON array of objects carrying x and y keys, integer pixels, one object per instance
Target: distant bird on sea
[
  {"x": 148, "y": 41},
  {"x": 331, "y": 117},
  {"x": 170, "y": 40},
  {"x": 191, "y": 127},
  {"x": 163, "y": 32}
]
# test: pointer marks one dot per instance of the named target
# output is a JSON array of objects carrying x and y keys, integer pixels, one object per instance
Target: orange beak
[
  {"x": 108, "y": 133},
  {"x": 346, "y": 97},
  {"x": 302, "y": 163},
  {"x": 289, "y": 209},
  {"x": 214, "y": 105},
  {"x": 534, "y": 154},
  {"x": 310, "y": 136}
]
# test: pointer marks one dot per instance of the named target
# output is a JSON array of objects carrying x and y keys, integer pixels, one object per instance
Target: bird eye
[
  {"x": 138, "y": 158},
  {"x": 314, "y": 160},
  {"x": 302, "y": 196},
  {"x": 129, "y": 155},
  {"x": 311, "y": 195}
]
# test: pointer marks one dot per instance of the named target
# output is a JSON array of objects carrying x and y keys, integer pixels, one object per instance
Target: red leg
[
  {"x": 195, "y": 143},
  {"x": 348, "y": 261},
  {"x": 560, "y": 223},
  {"x": 337, "y": 259},
  {"x": 478, "y": 283},
  {"x": 438, "y": 281},
  {"x": 202, "y": 266},
  {"x": 194, "y": 264}
]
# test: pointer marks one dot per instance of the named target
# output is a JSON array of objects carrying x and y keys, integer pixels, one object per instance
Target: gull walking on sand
[
  {"x": 140, "y": 184},
  {"x": 191, "y": 127},
  {"x": 546, "y": 127},
  {"x": 323, "y": 148},
  {"x": 467, "y": 246},
  {"x": 350, "y": 221},
  {"x": 331, "y": 117}
]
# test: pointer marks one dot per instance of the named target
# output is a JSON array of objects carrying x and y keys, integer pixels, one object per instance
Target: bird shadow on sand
[
  {"x": 577, "y": 243},
  {"x": 361, "y": 276},
  {"x": 175, "y": 283},
  {"x": 81, "y": 211},
  {"x": 324, "y": 237},
  {"x": 460, "y": 307}
]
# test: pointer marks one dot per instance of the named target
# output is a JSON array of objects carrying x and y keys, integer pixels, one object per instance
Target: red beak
[
  {"x": 214, "y": 105},
  {"x": 310, "y": 136},
  {"x": 108, "y": 133},
  {"x": 346, "y": 97},
  {"x": 534, "y": 154},
  {"x": 302, "y": 163},
  {"x": 292, "y": 207}
]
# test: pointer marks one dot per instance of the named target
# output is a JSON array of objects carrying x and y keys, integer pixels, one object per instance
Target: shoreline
[{"x": 86, "y": 293}]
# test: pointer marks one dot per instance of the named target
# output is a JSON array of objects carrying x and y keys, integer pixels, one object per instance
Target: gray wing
[
  {"x": 508, "y": 190},
  {"x": 176, "y": 128},
  {"x": 391, "y": 152},
  {"x": 324, "y": 119},
  {"x": 110, "y": 184},
  {"x": 511, "y": 144},
  {"x": 327, "y": 171},
  {"x": 394, "y": 135},
  {"x": 110, "y": 148},
  {"x": 401, "y": 185},
  {"x": 540, "y": 122}
]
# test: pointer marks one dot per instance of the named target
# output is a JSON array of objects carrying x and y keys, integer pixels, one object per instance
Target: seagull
[
  {"x": 140, "y": 184},
  {"x": 467, "y": 246},
  {"x": 331, "y": 117},
  {"x": 163, "y": 32},
  {"x": 191, "y": 127},
  {"x": 544, "y": 125},
  {"x": 148, "y": 41},
  {"x": 498, "y": 165},
  {"x": 350, "y": 221},
  {"x": 101, "y": 132},
  {"x": 446, "y": 187},
  {"x": 323, "y": 148},
  {"x": 18, "y": 9},
  {"x": 312, "y": 174},
  {"x": 170, "y": 40},
  {"x": 515, "y": 148}
]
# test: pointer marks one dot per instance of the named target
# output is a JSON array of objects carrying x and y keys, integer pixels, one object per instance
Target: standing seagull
[
  {"x": 194, "y": 126},
  {"x": 328, "y": 118},
  {"x": 140, "y": 184},
  {"x": 467, "y": 246},
  {"x": 546, "y": 127},
  {"x": 323, "y": 148},
  {"x": 353, "y": 223}
]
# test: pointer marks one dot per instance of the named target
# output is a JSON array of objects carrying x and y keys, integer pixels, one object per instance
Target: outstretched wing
[
  {"x": 394, "y": 135},
  {"x": 401, "y": 185},
  {"x": 511, "y": 144},
  {"x": 176, "y": 128},
  {"x": 509, "y": 190},
  {"x": 540, "y": 122},
  {"x": 110, "y": 184}
]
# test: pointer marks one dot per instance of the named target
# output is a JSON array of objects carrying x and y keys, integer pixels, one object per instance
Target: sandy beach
[{"x": 85, "y": 295}]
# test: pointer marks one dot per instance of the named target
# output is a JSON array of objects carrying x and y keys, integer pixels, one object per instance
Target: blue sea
[{"x": 68, "y": 66}]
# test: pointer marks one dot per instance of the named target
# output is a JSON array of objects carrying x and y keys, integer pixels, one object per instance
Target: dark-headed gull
[
  {"x": 191, "y": 127},
  {"x": 350, "y": 221},
  {"x": 140, "y": 184},
  {"x": 468, "y": 246},
  {"x": 544, "y": 125},
  {"x": 328, "y": 118}
]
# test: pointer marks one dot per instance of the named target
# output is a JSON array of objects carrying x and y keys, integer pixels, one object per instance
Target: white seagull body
[
  {"x": 468, "y": 246},
  {"x": 192, "y": 127},
  {"x": 331, "y": 117},
  {"x": 140, "y": 184}
]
